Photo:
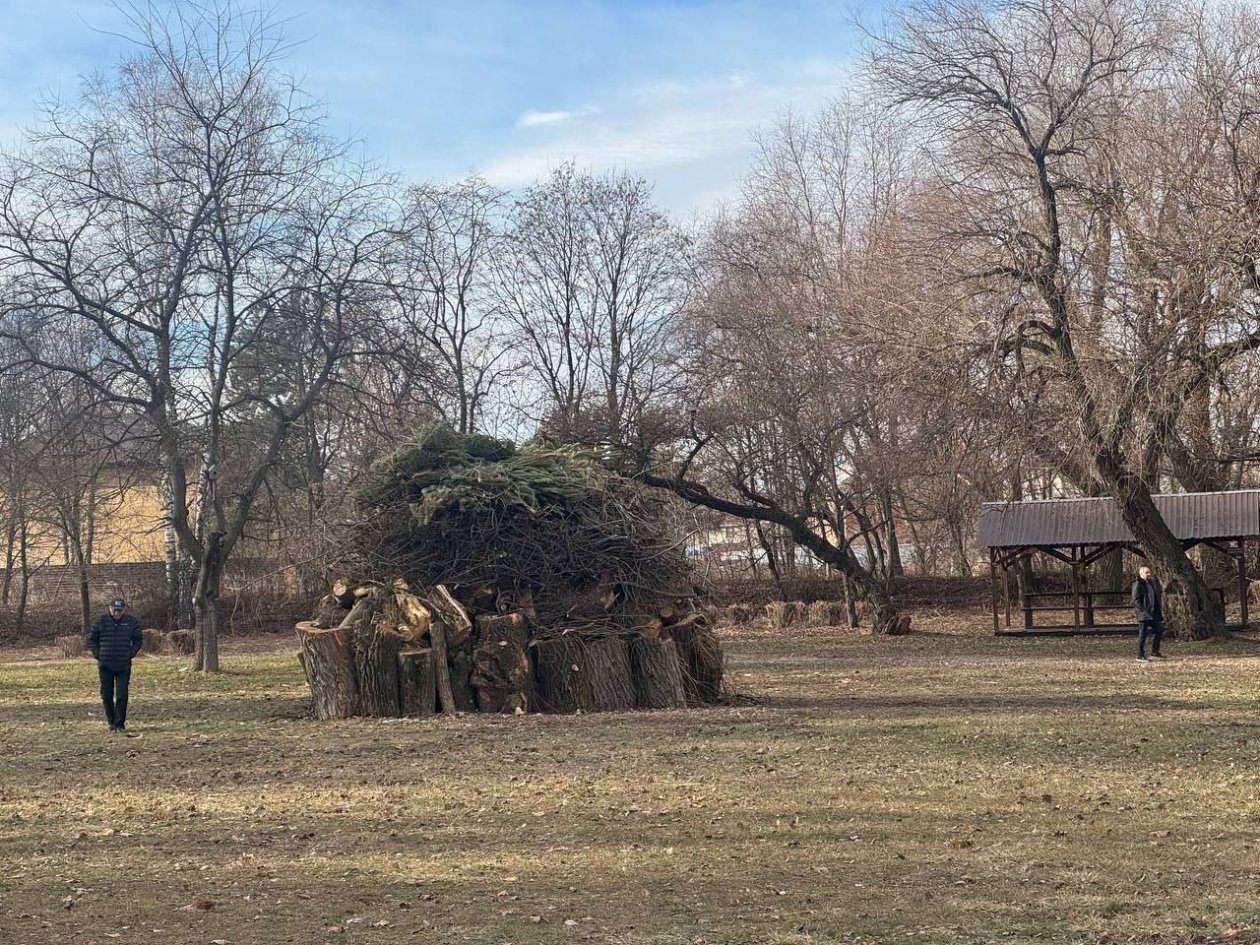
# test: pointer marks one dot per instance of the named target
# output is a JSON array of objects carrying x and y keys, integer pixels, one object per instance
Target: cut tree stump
[
  {"x": 558, "y": 673},
  {"x": 609, "y": 683},
  {"x": 502, "y": 676},
  {"x": 329, "y": 671},
  {"x": 343, "y": 593},
  {"x": 154, "y": 642},
  {"x": 375, "y": 656},
  {"x": 657, "y": 674},
  {"x": 417, "y": 682},
  {"x": 72, "y": 645},
  {"x": 452, "y": 613}
]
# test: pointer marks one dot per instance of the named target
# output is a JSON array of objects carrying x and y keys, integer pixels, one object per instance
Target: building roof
[{"x": 1064, "y": 522}]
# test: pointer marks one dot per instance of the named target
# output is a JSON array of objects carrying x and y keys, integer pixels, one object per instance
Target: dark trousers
[
  {"x": 1153, "y": 629},
  {"x": 114, "y": 683}
]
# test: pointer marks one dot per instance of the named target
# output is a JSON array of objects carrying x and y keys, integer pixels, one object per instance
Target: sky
[{"x": 673, "y": 90}]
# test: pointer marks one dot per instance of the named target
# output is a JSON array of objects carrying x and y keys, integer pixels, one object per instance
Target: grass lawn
[{"x": 942, "y": 787}]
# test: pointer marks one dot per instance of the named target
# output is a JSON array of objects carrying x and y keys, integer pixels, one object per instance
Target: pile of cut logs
[{"x": 388, "y": 650}]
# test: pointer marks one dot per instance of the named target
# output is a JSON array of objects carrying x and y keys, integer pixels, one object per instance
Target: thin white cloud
[
  {"x": 674, "y": 124},
  {"x": 532, "y": 118}
]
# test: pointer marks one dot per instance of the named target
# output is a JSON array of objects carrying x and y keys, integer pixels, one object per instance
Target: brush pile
[{"x": 494, "y": 579}]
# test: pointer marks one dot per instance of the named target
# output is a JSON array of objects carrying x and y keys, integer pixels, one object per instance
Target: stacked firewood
[{"x": 386, "y": 650}]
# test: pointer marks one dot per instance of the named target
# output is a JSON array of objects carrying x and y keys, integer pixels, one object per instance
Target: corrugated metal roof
[{"x": 1097, "y": 521}]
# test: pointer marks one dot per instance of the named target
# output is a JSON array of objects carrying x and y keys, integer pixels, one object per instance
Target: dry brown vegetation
[{"x": 944, "y": 787}]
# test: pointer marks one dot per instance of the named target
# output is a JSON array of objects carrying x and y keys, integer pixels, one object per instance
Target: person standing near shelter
[
  {"x": 1148, "y": 606},
  {"x": 115, "y": 639}
]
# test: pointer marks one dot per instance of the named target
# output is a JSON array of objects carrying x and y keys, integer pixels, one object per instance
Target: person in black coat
[
  {"x": 1148, "y": 607},
  {"x": 115, "y": 639}
]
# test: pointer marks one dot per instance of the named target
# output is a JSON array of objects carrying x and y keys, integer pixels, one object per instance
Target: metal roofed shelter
[{"x": 1080, "y": 532}]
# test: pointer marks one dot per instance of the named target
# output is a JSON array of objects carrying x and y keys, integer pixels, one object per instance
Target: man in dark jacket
[
  {"x": 1148, "y": 607},
  {"x": 114, "y": 640}
]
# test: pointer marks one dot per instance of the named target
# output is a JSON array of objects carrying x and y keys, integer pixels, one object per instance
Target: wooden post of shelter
[
  {"x": 1076, "y": 588},
  {"x": 1025, "y": 592},
  {"x": 1243, "y": 583},
  {"x": 1006, "y": 590},
  {"x": 1087, "y": 593},
  {"x": 993, "y": 588}
]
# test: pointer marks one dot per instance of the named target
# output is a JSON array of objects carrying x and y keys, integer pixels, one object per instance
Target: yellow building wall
[{"x": 127, "y": 527}]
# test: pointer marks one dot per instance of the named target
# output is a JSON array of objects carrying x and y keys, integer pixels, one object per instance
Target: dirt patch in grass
[{"x": 943, "y": 787}]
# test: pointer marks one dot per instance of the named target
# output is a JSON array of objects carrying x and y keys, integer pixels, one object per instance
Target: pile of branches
[
  {"x": 546, "y": 530},
  {"x": 508, "y": 580}
]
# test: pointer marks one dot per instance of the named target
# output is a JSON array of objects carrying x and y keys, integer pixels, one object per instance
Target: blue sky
[{"x": 670, "y": 90}]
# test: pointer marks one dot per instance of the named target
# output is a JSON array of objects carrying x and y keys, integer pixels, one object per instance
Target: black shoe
[
  {"x": 1141, "y": 659},
  {"x": 1158, "y": 656}
]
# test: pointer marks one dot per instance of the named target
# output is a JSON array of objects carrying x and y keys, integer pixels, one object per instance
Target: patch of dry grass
[{"x": 943, "y": 787}]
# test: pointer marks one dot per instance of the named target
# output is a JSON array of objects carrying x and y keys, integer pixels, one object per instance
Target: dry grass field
[{"x": 943, "y": 787}]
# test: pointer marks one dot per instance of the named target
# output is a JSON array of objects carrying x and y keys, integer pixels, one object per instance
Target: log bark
[
  {"x": 414, "y": 619},
  {"x": 376, "y": 669},
  {"x": 460, "y": 660},
  {"x": 558, "y": 676},
  {"x": 609, "y": 683},
  {"x": 657, "y": 674},
  {"x": 441, "y": 669},
  {"x": 154, "y": 642},
  {"x": 451, "y": 612},
  {"x": 417, "y": 682},
  {"x": 502, "y": 675},
  {"x": 330, "y": 671},
  {"x": 329, "y": 612},
  {"x": 700, "y": 656}
]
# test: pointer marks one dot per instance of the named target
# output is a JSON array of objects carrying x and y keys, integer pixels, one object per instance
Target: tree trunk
[
  {"x": 850, "y": 603},
  {"x": 10, "y": 540},
  {"x": 772, "y": 564},
  {"x": 558, "y": 673},
  {"x": 657, "y": 674},
  {"x": 1190, "y": 610},
  {"x": 417, "y": 683},
  {"x": 24, "y": 573},
  {"x": 206, "y": 605},
  {"x": 884, "y": 616},
  {"x": 609, "y": 680},
  {"x": 170, "y": 543},
  {"x": 85, "y": 592},
  {"x": 329, "y": 671},
  {"x": 501, "y": 674},
  {"x": 375, "y": 655},
  {"x": 895, "y": 568}
]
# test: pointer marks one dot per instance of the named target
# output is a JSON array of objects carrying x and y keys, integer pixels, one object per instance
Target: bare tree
[
  {"x": 188, "y": 209},
  {"x": 444, "y": 292},
  {"x": 594, "y": 278},
  {"x": 1075, "y": 243}
]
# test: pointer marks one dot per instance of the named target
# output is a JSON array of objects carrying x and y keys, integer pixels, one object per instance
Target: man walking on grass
[
  {"x": 1150, "y": 614},
  {"x": 114, "y": 640}
]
